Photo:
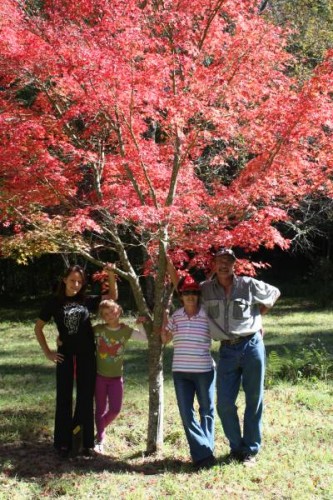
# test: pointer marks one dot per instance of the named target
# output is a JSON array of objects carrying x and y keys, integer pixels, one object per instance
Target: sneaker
[
  {"x": 99, "y": 447},
  {"x": 249, "y": 460}
]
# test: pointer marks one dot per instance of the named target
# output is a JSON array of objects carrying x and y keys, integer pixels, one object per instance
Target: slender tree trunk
[
  {"x": 156, "y": 396},
  {"x": 156, "y": 393}
]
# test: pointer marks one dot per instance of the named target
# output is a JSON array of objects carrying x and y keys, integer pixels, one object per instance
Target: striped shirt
[{"x": 191, "y": 341}]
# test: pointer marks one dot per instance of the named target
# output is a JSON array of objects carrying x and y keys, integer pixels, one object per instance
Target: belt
[{"x": 237, "y": 340}]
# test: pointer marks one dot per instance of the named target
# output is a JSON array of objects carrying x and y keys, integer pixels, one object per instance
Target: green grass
[{"x": 295, "y": 463}]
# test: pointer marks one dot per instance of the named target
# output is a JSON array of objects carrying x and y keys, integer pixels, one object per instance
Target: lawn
[{"x": 296, "y": 461}]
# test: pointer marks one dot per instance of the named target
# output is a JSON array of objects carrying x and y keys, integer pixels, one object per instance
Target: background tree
[
  {"x": 311, "y": 33},
  {"x": 108, "y": 110}
]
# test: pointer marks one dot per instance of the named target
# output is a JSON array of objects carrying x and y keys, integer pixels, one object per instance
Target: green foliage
[
  {"x": 27, "y": 95},
  {"x": 34, "y": 7},
  {"x": 311, "y": 23},
  {"x": 313, "y": 362},
  {"x": 23, "y": 248}
]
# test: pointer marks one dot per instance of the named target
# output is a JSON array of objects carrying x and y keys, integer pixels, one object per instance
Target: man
[{"x": 234, "y": 305}]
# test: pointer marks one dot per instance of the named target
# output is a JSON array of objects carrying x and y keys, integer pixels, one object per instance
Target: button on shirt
[
  {"x": 191, "y": 341},
  {"x": 238, "y": 315}
]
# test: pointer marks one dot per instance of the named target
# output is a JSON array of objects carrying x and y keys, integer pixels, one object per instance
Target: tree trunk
[{"x": 156, "y": 396}]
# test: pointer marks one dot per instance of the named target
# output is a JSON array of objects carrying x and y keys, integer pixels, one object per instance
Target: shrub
[{"x": 311, "y": 362}]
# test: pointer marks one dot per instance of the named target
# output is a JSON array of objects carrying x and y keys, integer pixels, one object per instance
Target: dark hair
[{"x": 61, "y": 289}]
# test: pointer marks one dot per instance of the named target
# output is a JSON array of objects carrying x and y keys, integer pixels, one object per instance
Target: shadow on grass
[
  {"x": 26, "y": 369},
  {"x": 25, "y": 311},
  {"x": 24, "y": 424},
  {"x": 38, "y": 460}
]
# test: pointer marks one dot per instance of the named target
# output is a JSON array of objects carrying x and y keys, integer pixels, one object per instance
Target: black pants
[{"x": 65, "y": 421}]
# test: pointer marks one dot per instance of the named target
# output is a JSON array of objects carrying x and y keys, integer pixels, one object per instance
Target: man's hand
[{"x": 263, "y": 309}]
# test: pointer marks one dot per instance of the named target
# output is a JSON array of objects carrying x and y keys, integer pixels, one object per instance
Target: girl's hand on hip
[{"x": 55, "y": 356}]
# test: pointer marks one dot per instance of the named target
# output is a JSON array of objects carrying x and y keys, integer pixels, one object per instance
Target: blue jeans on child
[
  {"x": 200, "y": 435},
  {"x": 242, "y": 363}
]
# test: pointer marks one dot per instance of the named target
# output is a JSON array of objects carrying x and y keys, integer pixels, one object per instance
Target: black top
[{"x": 72, "y": 317}]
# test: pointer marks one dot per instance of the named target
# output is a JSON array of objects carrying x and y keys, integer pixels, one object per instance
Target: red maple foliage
[{"x": 171, "y": 125}]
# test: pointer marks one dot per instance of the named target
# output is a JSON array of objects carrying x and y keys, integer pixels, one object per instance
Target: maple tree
[
  {"x": 172, "y": 126},
  {"x": 311, "y": 34}
]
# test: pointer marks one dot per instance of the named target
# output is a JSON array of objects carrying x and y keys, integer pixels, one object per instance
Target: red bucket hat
[{"x": 189, "y": 284}]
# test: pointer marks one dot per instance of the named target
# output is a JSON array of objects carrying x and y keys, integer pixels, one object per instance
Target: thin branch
[{"x": 210, "y": 19}]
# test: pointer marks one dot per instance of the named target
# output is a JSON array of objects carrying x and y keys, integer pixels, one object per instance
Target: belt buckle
[
  {"x": 236, "y": 340},
  {"x": 232, "y": 341}
]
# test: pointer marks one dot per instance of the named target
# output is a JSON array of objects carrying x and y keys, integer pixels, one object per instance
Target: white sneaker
[{"x": 99, "y": 447}]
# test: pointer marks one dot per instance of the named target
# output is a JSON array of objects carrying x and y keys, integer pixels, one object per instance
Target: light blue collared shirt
[{"x": 238, "y": 315}]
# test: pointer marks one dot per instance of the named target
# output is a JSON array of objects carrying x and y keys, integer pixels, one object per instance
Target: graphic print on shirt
[
  {"x": 111, "y": 349},
  {"x": 73, "y": 313}
]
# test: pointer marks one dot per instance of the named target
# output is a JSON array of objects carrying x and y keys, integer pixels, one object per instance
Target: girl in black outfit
[{"x": 70, "y": 308}]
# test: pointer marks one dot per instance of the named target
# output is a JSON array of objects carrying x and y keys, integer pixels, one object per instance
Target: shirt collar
[
  {"x": 235, "y": 280},
  {"x": 200, "y": 313}
]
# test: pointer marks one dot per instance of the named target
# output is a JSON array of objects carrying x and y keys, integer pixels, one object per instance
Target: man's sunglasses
[{"x": 190, "y": 292}]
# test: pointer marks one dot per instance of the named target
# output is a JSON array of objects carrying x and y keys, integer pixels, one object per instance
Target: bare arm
[
  {"x": 166, "y": 336},
  {"x": 113, "y": 287},
  {"x": 139, "y": 333},
  {"x": 172, "y": 272},
  {"x": 165, "y": 333},
  {"x": 263, "y": 309},
  {"x": 51, "y": 355}
]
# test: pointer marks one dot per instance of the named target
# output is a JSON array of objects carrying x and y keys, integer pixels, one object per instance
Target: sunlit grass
[{"x": 295, "y": 463}]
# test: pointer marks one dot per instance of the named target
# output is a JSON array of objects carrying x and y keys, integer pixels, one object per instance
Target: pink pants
[{"x": 109, "y": 398}]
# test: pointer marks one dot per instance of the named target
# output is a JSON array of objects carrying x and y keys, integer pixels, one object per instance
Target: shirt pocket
[
  {"x": 213, "y": 309},
  {"x": 241, "y": 309}
]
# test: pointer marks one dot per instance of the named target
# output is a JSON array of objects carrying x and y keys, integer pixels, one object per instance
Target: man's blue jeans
[
  {"x": 200, "y": 435},
  {"x": 242, "y": 363}
]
